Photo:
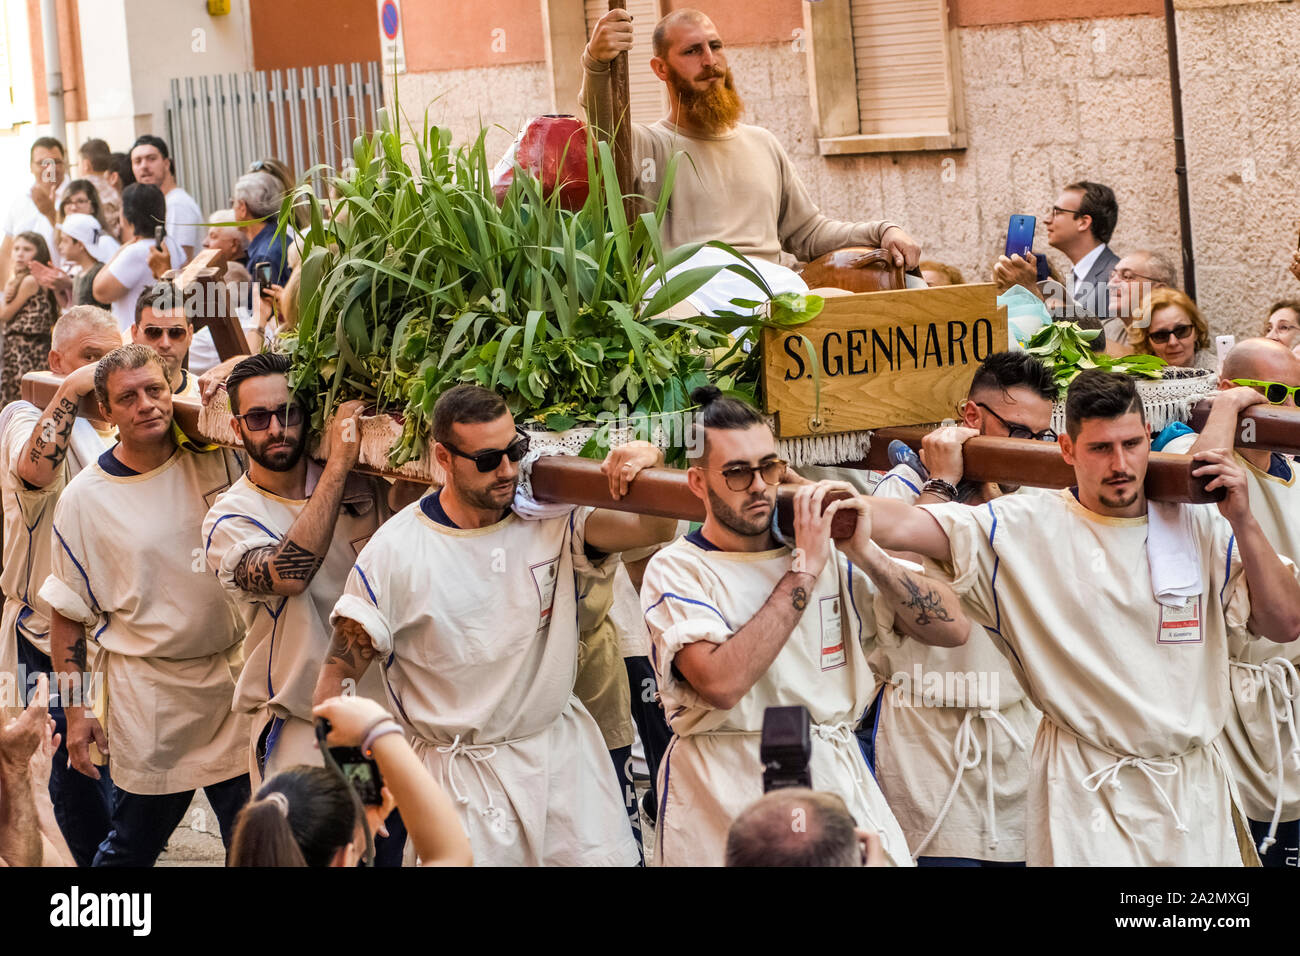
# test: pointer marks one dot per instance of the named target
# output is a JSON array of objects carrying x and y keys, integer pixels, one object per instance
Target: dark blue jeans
[
  {"x": 142, "y": 823},
  {"x": 81, "y": 804}
]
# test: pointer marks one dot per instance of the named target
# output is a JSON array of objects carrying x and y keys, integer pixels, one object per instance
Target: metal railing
[{"x": 218, "y": 125}]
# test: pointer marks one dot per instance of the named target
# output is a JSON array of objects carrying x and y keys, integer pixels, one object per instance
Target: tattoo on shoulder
[
  {"x": 295, "y": 563},
  {"x": 799, "y": 598},
  {"x": 927, "y": 603},
  {"x": 253, "y": 573}
]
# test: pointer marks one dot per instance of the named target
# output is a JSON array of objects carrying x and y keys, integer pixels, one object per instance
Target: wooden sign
[{"x": 886, "y": 358}]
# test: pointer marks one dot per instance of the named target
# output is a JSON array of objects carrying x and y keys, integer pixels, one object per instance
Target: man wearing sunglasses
[
  {"x": 739, "y": 622},
  {"x": 1261, "y": 741},
  {"x": 125, "y": 578},
  {"x": 956, "y": 770},
  {"x": 472, "y": 612},
  {"x": 282, "y": 541},
  {"x": 162, "y": 324}
]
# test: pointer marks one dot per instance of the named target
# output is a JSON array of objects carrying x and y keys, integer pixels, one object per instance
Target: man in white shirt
[
  {"x": 472, "y": 612},
  {"x": 151, "y": 163},
  {"x": 135, "y": 266},
  {"x": 40, "y": 452},
  {"x": 33, "y": 209}
]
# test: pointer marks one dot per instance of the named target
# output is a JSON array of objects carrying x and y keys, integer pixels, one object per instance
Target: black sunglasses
[
  {"x": 490, "y": 458},
  {"x": 153, "y": 333},
  {"x": 1015, "y": 430},
  {"x": 1178, "y": 332},
  {"x": 259, "y": 419}
]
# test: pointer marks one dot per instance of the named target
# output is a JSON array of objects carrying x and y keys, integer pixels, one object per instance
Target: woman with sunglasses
[{"x": 1176, "y": 331}]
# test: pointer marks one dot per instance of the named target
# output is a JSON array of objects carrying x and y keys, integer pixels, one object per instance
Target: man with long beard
[{"x": 735, "y": 182}]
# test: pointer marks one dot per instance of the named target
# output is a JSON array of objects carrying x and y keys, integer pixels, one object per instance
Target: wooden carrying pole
[
  {"x": 1263, "y": 427},
  {"x": 1018, "y": 461},
  {"x": 621, "y": 142},
  {"x": 664, "y": 492}
]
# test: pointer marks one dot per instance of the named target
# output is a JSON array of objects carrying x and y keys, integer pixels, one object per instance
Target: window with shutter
[
  {"x": 885, "y": 76},
  {"x": 647, "y": 93}
]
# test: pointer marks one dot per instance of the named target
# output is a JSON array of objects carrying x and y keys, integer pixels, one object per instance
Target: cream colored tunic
[
  {"x": 711, "y": 770},
  {"x": 478, "y": 635},
  {"x": 288, "y": 636},
  {"x": 128, "y": 564},
  {"x": 1264, "y": 683},
  {"x": 952, "y": 737},
  {"x": 28, "y": 517},
  {"x": 601, "y": 682},
  {"x": 1125, "y": 769}
]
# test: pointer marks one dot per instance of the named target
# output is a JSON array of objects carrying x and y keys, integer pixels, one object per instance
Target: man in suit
[{"x": 1079, "y": 225}]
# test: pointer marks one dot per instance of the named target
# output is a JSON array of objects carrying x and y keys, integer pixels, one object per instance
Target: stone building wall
[{"x": 1046, "y": 103}]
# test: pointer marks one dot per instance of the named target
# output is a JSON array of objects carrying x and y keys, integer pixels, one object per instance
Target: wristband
[
  {"x": 940, "y": 487},
  {"x": 382, "y": 729}
]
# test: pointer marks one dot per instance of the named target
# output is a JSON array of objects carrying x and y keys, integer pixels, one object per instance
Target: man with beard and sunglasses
[
  {"x": 472, "y": 612},
  {"x": 134, "y": 606},
  {"x": 162, "y": 324},
  {"x": 1118, "y": 617},
  {"x": 740, "y": 623},
  {"x": 736, "y": 182},
  {"x": 282, "y": 542}
]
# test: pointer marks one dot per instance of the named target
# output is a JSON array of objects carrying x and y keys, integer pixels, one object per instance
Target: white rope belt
[
  {"x": 966, "y": 748},
  {"x": 478, "y": 756},
  {"x": 1277, "y": 678},
  {"x": 1151, "y": 768}
]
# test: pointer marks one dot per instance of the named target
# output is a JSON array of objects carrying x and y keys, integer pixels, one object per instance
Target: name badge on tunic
[
  {"x": 832, "y": 634},
  {"x": 1181, "y": 625},
  {"x": 544, "y": 576}
]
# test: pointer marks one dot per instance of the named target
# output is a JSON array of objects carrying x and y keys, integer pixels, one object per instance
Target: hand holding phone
[{"x": 1020, "y": 236}]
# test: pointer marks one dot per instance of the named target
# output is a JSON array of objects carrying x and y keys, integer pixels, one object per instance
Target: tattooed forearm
[
  {"x": 350, "y": 646},
  {"x": 927, "y": 604},
  {"x": 77, "y": 655},
  {"x": 51, "y": 442},
  {"x": 799, "y": 599},
  {"x": 253, "y": 573},
  {"x": 266, "y": 570},
  {"x": 295, "y": 563}
]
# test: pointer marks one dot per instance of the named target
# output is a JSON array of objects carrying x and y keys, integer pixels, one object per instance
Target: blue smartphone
[{"x": 1020, "y": 236}]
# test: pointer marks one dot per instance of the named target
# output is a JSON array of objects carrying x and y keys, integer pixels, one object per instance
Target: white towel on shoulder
[{"x": 1174, "y": 553}]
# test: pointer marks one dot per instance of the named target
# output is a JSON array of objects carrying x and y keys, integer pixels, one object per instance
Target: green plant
[
  {"x": 421, "y": 280},
  {"x": 1068, "y": 350}
]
